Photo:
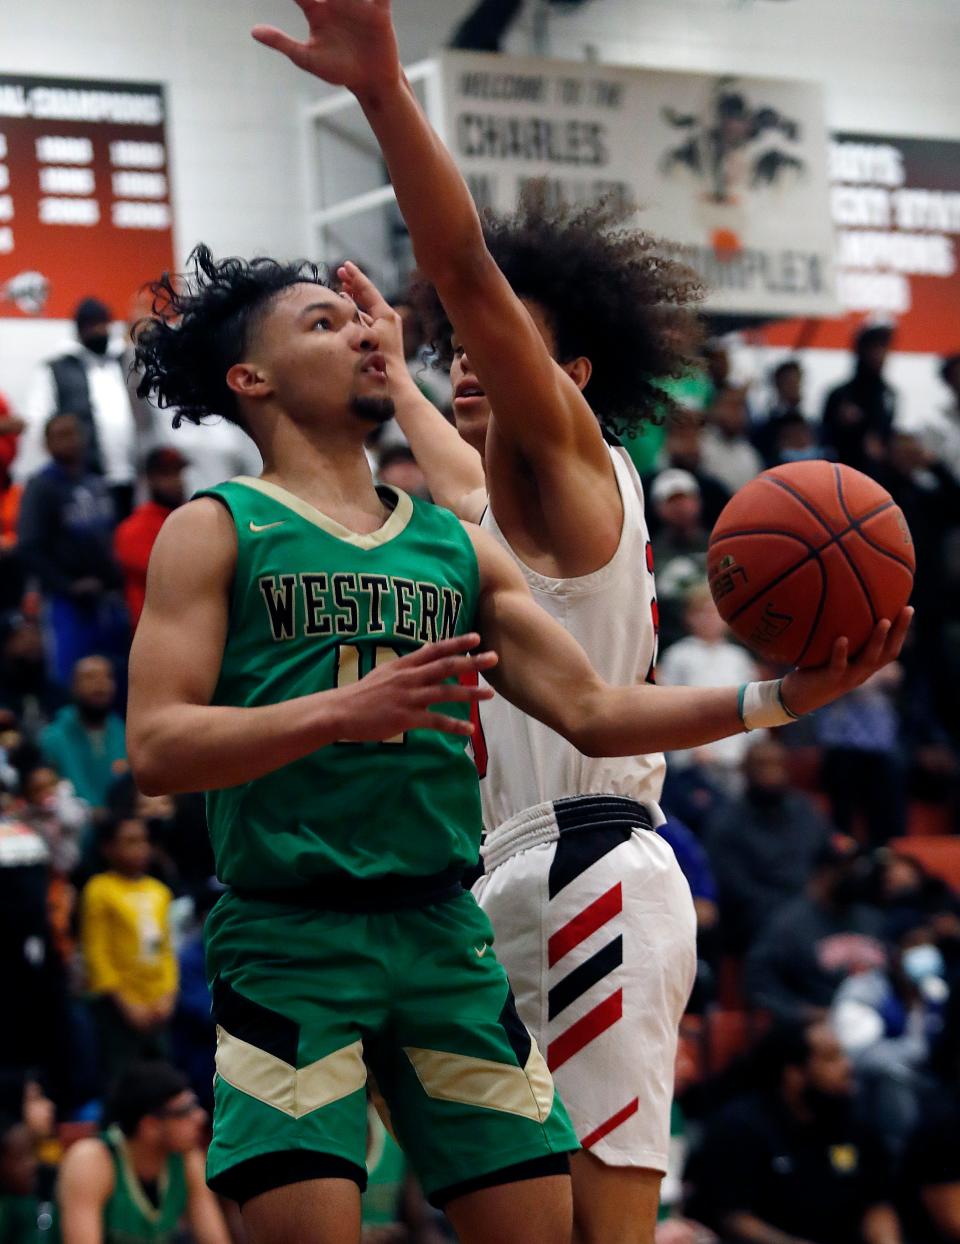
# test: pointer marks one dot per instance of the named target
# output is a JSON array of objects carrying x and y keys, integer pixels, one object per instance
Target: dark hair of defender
[
  {"x": 611, "y": 294},
  {"x": 202, "y": 324}
]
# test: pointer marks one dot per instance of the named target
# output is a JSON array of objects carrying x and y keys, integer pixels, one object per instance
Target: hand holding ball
[{"x": 806, "y": 554}]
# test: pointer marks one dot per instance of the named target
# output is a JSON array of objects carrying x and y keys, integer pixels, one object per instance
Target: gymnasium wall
[{"x": 888, "y": 66}]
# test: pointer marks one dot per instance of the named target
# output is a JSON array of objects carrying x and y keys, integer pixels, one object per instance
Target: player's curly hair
[
  {"x": 614, "y": 295},
  {"x": 201, "y": 326}
]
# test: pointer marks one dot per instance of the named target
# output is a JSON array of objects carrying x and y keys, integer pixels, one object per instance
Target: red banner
[
  {"x": 896, "y": 210},
  {"x": 84, "y": 193}
]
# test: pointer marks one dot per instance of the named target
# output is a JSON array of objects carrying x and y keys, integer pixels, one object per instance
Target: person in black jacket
[
  {"x": 858, "y": 415},
  {"x": 66, "y": 533},
  {"x": 789, "y": 1164},
  {"x": 762, "y": 846}
]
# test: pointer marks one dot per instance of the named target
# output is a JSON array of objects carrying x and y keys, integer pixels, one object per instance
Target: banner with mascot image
[{"x": 734, "y": 169}]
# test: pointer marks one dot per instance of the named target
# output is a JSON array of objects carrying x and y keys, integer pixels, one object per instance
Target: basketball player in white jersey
[{"x": 594, "y": 921}]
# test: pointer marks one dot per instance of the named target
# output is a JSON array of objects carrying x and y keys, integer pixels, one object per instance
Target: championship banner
[
  {"x": 896, "y": 206},
  {"x": 84, "y": 193},
  {"x": 733, "y": 169}
]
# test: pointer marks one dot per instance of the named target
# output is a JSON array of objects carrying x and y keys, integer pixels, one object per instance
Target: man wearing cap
[
  {"x": 134, "y": 537},
  {"x": 679, "y": 546},
  {"x": 87, "y": 380}
]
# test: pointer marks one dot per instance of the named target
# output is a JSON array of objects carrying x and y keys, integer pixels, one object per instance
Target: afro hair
[
  {"x": 612, "y": 294},
  {"x": 201, "y": 325}
]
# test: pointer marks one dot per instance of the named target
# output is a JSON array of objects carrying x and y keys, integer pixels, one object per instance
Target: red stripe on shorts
[
  {"x": 614, "y": 1121},
  {"x": 585, "y": 1030},
  {"x": 584, "y": 923}
]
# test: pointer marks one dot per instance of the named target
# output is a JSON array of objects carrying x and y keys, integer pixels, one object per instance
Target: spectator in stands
[
  {"x": 930, "y": 1172},
  {"x": 145, "y": 1174},
  {"x": 194, "y": 1031},
  {"x": 22, "y": 1096},
  {"x": 707, "y": 658},
  {"x": 12, "y": 578},
  {"x": 50, "y": 805},
  {"x": 66, "y": 533},
  {"x": 788, "y": 1164},
  {"x": 862, "y": 766},
  {"x": 22, "y": 1218},
  {"x": 679, "y": 547},
  {"x": 929, "y": 497},
  {"x": 887, "y": 1021},
  {"x": 763, "y": 845},
  {"x": 85, "y": 742},
  {"x": 695, "y": 866},
  {"x": 858, "y": 414},
  {"x": 783, "y": 411},
  {"x": 683, "y": 448},
  {"x": 397, "y": 466},
  {"x": 941, "y": 433},
  {"x": 816, "y": 940},
  {"x": 134, "y": 537},
  {"x": 127, "y": 949},
  {"x": 33, "y": 1032},
  {"x": 727, "y": 453},
  {"x": 88, "y": 381},
  {"x": 25, "y": 687}
]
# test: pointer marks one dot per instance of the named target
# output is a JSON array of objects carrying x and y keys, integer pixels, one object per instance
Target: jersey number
[{"x": 354, "y": 662}]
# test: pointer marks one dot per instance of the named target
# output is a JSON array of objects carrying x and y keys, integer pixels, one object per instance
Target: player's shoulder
[
  {"x": 88, "y": 1163},
  {"x": 199, "y": 533}
]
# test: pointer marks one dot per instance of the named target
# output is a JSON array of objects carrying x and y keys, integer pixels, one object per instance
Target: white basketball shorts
[{"x": 595, "y": 925}]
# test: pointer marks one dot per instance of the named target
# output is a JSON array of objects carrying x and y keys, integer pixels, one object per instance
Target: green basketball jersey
[
  {"x": 130, "y": 1217},
  {"x": 313, "y": 607}
]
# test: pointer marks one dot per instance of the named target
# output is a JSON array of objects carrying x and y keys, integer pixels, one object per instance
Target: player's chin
[{"x": 372, "y": 407}]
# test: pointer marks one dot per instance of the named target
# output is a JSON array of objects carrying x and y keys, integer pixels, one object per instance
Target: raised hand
[
  {"x": 388, "y": 324},
  {"x": 809, "y": 689},
  {"x": 349, "y": 43},
  {"x": 399, "y": 695}
]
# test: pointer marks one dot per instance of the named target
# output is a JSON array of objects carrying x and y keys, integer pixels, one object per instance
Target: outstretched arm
[
  {"x": 178, "y": 741},
  {"x": 539, "y": 413},
  {"x": 452, "y": 468},
  {"x": 544, "y": 671}
]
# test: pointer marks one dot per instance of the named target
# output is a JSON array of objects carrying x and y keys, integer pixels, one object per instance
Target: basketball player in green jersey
[
  {"x": 143, "y": 1178},
  {"x": 298, "y": 658}
]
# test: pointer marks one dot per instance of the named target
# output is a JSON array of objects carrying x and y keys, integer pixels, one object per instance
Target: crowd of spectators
[{"x": 836, "y": 953}]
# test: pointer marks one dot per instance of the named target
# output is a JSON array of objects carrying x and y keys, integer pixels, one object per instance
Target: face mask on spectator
[
  {"x": 97, "y": 342},
  {"x": 922, "y": 962}
]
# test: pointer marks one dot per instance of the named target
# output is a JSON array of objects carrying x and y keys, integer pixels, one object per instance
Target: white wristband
[{"x": 761, "y": 706}]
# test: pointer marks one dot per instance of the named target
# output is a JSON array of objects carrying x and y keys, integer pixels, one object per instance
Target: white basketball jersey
[{"x": 612, "y": 613}]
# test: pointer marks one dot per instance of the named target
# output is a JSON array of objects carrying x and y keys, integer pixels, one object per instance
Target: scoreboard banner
[
  {"x": 896, "y": 207},
  {"x": 84, "y": 193},
  {"x": 734, "y": 169}
]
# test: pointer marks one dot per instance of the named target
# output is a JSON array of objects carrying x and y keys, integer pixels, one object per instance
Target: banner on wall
[
  {"x": 896, "y": 207},
  {"x": 84, "y": 193},
  {"x": 733, "y": 169}
]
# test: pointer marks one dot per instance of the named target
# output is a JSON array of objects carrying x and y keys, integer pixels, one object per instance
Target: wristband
[{"x": 761, "y": 706}]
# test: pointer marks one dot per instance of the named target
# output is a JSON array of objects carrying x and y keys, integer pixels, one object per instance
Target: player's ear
[
  {"x": 246, "y": 380},
  {"x": 579, "y": 370}
]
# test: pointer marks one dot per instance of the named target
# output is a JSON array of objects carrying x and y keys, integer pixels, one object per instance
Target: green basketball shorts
[{"x": 307, "y": 1000}]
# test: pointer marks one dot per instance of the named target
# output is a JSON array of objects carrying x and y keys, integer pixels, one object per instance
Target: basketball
[{"x": 807, "y": 553}]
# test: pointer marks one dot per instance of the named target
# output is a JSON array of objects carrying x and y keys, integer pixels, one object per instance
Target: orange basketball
[{"x": 806, "y": 553}]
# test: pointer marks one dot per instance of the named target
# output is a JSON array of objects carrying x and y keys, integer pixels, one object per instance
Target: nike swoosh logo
[
  {"x": 266, "y": 526},
  {"x": 480, "y": 951}
]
